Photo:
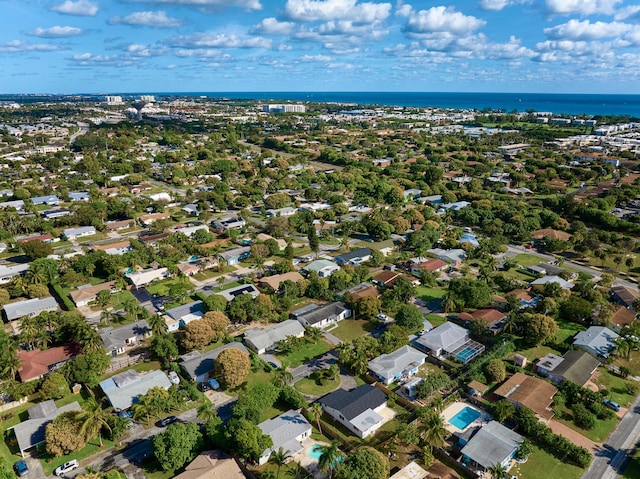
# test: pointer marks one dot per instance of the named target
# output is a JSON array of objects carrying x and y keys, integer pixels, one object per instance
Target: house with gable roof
[
  {"x": 489, "y": 445},
  {"x": 597, "y": 340},
  {"x": 399, "y": 365},
  {"x": 119, "y": 340},
  {"x": 287, "y": 431},
  {"x": 356, "y": 409}
]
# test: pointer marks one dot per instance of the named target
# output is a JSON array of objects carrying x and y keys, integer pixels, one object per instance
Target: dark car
[
  {"x": 166, "y": 421},
  {"x": 21, "y": 468},
  {"x": 204, "y": 386}
]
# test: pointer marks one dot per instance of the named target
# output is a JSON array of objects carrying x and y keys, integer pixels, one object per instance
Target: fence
[{"x": 121, "y": 362}]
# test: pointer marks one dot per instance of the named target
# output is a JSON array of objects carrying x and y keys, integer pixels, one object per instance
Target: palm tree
[
  {"x": 298, "y": 472},
  {"x": 330, "y": 456},
  {"x": 498, "y": 471},
  {"x": 315, "y": 412},
  {"x": 510, "y": 326},
  {"x": 278, "y": 458},
  {"x": 433, "y": 430},
  {"x": 93, "y": 418},
  {"x": 282, "y": 377},
  {"x": 158, "y": 324},
  {"x": 313, "y": 334}
]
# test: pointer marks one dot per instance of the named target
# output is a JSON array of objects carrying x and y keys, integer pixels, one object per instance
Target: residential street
[{"x": 609, "y": 461}]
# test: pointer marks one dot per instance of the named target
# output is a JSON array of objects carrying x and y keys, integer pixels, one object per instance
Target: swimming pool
[
  {"x": 316, "y": 451},
  {"x": 464, "y": 417},
  {"x": 466, "y": 354}
]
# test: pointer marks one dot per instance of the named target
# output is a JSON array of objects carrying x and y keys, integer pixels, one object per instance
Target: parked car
[
  {"x": 382, "y": 317},
  {"x": 612, "y": 405},
  {"x": 173, "y": 377},
  {"x": 166, "y": 421},
  {"x": 21, "y": 468},
  {"x": 66, "y": 467}
]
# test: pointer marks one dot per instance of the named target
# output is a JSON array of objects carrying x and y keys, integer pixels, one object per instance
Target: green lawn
[
  {"x": 435, "y": 319},
  {"x": 598, "y": 434},
  {"x": 542, "y": 465},
  {"x": 633, "y": 363},
  {"x": 428, "y": 293},
  {"x": 527, "y": 260},
  {"x": 349, "y": 329},
  {"x": 304, "y": 354},
  {"x": 161, "y": 288},
  {"x": 309, "y": 386},
  {"x": 535, "y": 352},
  {"x": 632, "y": 469},
  {"x": 49, "y": 462},
  {"x": 617, "y": 387},
  {"x": 564, "y": 336}
]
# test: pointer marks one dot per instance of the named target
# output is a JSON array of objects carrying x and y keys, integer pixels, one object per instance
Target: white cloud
[
  {"x": 218, "y": 40},
  {"x": 315, "y": 58},
  {"x": 497, "y": 5},
  {"x": 55, "y": 32},
  {"x": 212, "y": 4},
  {"x": 15, "y": 46},
  {"x": 83, "y": 8},
  {"x": 157, "y": 19},
  {"x": 203, "y": 53},
  {"x": 271, "y": 26},
  {"x": 441, "y": 19},
  {"x": 581, "y": 7},
  {"x": 89, "y": 59},
  {"x": 585, "y": 30},
  {"x": 347, "y": 10},
  {"x": 632, "y": 11}
]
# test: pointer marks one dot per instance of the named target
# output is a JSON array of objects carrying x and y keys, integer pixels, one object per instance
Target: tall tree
[
  {"x": 178, "y": 445},
  {"x": 315, "y": 412},
  {"x": 330, "y": 456},
  {"x": 279, "y": 458},
  {"x": 93, "y": 418}
]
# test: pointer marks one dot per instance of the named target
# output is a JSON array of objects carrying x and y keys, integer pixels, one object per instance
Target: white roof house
[
  {"x": 323, "y": 267},
  {"x": 449, "y": 255},
  {"x": 73, "y": 233},
  {"x": 261, "y": 340},
  {"x": 190, "y": 230},
  {"x": 446, "y": 338},
  {"x": 124, "y": 389},
  {"x": 492, "y": 444},
  {"x": 541, "y": 282},
  {"x": 29, "y": 307},
  {"x": 597, "y": 340},
  {"x": 286, "y": 431},
  {"x": 144, "y": 277},
  {"x": 7, "y": 273},
  {"x": 399, "y": 364}
]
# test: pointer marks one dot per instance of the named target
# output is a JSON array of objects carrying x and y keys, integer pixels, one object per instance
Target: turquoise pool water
[
  {"x": 316, "y": 451},
  {"x": 465, "y": 417}
]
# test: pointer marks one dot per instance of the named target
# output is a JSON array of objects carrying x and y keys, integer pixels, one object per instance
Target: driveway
[
  {"x": 320, "y": 362},
  {"x": 575, "y": 437}
]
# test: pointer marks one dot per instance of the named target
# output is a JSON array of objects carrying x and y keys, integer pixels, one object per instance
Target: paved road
[
  {"x": 610, "y": 460},
  {"x": 173, "y": 189},
  {"x": 514, "y": 250}
]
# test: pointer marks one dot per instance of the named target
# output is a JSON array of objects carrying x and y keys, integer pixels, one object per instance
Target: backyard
[
  {"x": 542, "y": 465},
  {"x": 349, "y": 329},
  {"x": 306, "y": 352}
]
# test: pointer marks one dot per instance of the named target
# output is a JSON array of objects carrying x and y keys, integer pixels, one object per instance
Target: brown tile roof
[
  {"x": 550, "y": 233},
  {"x": 386, "y": 277},
  {"x": 431, "y": 265},
  {"x": 274, "y": 282},
  {"x": 36, "y": 362},
  {"x": 212, "y": 465},
  {"x": 491, "y": 315},
  {"x": 623, "y": 316},
  {"x": 534, "y": 393},
  {"x": 42, "y": 237},
  {"x": 521, "y": 294},
  {"x": 478, "y": 386},
  {"x": 363, "y": 293},
  {"x": 83, "y": 294}
]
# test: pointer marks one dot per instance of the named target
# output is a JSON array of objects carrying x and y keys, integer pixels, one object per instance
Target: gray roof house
[
  {"x": 262, "y": 340},
  {"x": 357, "y": 409},
  {"x": 492, "y": 444},
  {"x": 124, "y": 389},
  {"x": 323, "y": 267},
  {"x": 400, "y": 364},
  {"x": 354, "y": 257},
  {"x": 597, "y": 340},
  {"x": 443, "y": 339},
  {"x": 316, "y": 316},
  {"x": 199, "y": 367},
  {"x": 7, "y": 273},
  {"x": 118, "y": 340},
  {"x": 30, "y": 433},
  {"x": 73, "y": 233},
  {"x": 29, "y": 307},
  {"x": 50, "y": 200},
  {"x": 187, "y": 312},
  {"x": 287, "y": 431},
  {"x": 231, "y": 293}
]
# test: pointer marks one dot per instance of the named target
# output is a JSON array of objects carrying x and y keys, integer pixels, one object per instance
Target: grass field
[
  {"x": 309, "y": 386},
  {"x": 632, "y": 469},
  {"x": 304, "y": 354},
  {"x": 599, "y": 433},
  {"x": 542, "y": 465},
  {"x": 349, "y": 329},
  {"x": 619, "y": 389},
  {"x": 162, "y": 288},
  {"x": 527, "y": 259},
  {"x": 427, "y": 293}
]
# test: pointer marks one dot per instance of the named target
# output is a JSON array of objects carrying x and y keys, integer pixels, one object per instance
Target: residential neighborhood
[{"x": 227, "y": 291}]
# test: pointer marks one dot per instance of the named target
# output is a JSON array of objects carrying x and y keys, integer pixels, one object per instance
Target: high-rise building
[
  {"x": 148, "y": 98},
  {"x": 113, "y": 100},
  {"x": 284, "y": 108}
]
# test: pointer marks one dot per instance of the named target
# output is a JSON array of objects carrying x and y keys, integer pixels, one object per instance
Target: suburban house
[
  {"x": 357, "y": 409},
  {"x": 231, "y": 293},
  {"x": 45, "y": 237},
  {"x": 431, "y": 265},
  {"x": 118, "y": 340},
  {"x": 147, "y": 220},
  {"x": 317, "y": 316},
  {"x": 534, "y": 393},
  {"x": 386, "y": 247},
  {"x": 113, "y": 249},
  {"x": 287, "y": 431},
  {"x": 411, "y": 471},
  {"x": 623, "y": 317},
  {"x": 470, "y": 239},
  {"x": 263, "y": 340},
  {"x": 284, "y": 212},
  {"x": 220, "y": 226},
  {"x": 625, "y": 296},
  {"x": 358, "y": 291},
  {"x": 323, "y": 267},
  {"x": 85, "y": 294},
  {"x": 548, "y": 233},
  {"x": 451, "y": 256},
  {"x": 82, "y": 231},
  {"x": 272, "y": 283},
  {"x": 387, "y": 278},
  {"x": 199, "y": 367},
  {"x": 526, "y": 299},
  {"x": 78, "y": 196},
  {"x": 29, "y": 307},
  {"x": 597, "y": 340},
  {"x": 355, "y": 257},
  {"x": 124, "y": 389},
  {"x": 540, "y": 283},
  {"x": 142, "y": 278},
  {"x": 235, "y": 255},
  {"x": 575, "y": 366},
  {"x": 49, "y": 200},
  {"x": 112, "y": 226},
  {"x": 191, "y": 209},
  {"x": 31, "y": 433},
  {"x": 399, "y": 365},
  {"x": 37, "y": 363},
  {"x": 188, "y": 231},
  {"x": 545, "y": 269},
  {"x": 184, "y": 314},
  {"x": 8, "y": 273},
  {"x": 488, "y": 446},
  {"x": 189, "y": 268},
  {"x": 494, "y": 318},
  {"x": 214, "y": 464},
  {"x": 450, "y": 340},
  {"x": 55, "y": 214}
]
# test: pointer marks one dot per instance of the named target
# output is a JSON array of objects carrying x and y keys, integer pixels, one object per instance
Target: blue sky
[{"x": 100, "y": 46}]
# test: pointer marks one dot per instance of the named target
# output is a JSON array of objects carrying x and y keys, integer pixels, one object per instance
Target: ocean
[{"x": 567, "y": 104}]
